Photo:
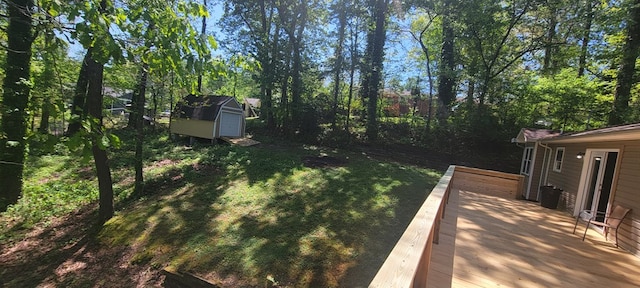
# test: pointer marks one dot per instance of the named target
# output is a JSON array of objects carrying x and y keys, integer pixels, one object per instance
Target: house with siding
[{"x": 596, "y": 170}]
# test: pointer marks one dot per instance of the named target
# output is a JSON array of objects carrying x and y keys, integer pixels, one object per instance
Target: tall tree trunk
[
  {"x": 94, "y": 110},
  {"x": 140, "y": 92},
  {"x": 203, "y": 32},
  {"x": 342, "y": 23},
  {"x": 620, "y": 112},
  {"x": 133, "y": 112},
  {"x": 285, "y": 111},
  {"x": 15, "y": 99},
  {"x": 470, "y": 94},
  {"x": 78, "y": 109},
  {"x": 446, "y": 81},
  {"x": 268, "y": 64},
  {"x": 48, "y": 77},
  {"x": 296, "y": 32},
  {"x": 584, "y": 49},
  {"x": 549, "y": 49},
  {"x": 427, "y": 56},
  {"x": 375, "y": 46},
  {"x": 352, "y": 70}
]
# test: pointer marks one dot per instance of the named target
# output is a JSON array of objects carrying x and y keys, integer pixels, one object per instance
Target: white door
[
  {"x": 599, "y": 180},
  {"x": 230, "y": 124}
]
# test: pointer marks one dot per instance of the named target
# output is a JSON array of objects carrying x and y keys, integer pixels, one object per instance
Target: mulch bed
[{"x": 323, "y": 161}]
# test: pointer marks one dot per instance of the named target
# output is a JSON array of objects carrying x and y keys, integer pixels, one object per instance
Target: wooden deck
[{"x": 490, "y": 241}]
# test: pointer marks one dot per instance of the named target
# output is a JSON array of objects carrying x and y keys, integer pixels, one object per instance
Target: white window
[
  {"x": 527, "y": 158},
  {"x": 557, "y": 162}
]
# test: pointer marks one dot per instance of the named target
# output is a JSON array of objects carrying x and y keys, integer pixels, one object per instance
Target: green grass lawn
[{"x": 243, "y": 215}]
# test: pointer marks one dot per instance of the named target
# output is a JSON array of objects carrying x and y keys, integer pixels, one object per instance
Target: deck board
[{"x": 489, "y": 241}]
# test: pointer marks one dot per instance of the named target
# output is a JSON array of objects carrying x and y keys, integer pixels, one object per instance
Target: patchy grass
[
  {"x": 249, "y": 216},
  {"x": 54, "y": 185}
]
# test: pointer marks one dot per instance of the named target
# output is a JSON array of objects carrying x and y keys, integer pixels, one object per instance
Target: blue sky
[{"x": 397, "y": 49}]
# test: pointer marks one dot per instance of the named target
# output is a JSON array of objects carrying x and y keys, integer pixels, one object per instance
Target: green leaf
[
  {"x": 115, "y": 140},
  {"x": 104, "y": 142}
]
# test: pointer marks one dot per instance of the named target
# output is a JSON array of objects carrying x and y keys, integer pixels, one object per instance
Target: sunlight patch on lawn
[{"x": 303, "y": 226}]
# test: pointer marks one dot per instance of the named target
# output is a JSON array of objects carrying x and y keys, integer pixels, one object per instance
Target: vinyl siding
[
  {"x": 625, "y": 189},
  {"x": 195, "y": 128},
  {"x": 569, "y": 178},
  {"x": 628, "y": 195}
]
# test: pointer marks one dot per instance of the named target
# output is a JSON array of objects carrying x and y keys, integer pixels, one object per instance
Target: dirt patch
[{"x": 323, "y": 161}]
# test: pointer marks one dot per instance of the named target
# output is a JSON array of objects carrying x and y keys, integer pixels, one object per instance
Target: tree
[
  {"x": 446, "y": 77},
  {"x": 373, "y": 63},
  {"x": 491, "y": 33},
  {"x": 420, "y": 36},
  {"x": 254, "y": 26},
  {"x": 620, "y": 112},
  {"x": 78, "y": 108},
  {"x": 13, "y": 108},
  {"x": 355, "y": 24},
  {"x": 98, "y": 53},
  {"x": 294, "y": 20},
  {"x": 341, "y": 11}
]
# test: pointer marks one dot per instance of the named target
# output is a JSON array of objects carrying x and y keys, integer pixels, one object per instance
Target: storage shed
[{"x": 208, "y": 117}]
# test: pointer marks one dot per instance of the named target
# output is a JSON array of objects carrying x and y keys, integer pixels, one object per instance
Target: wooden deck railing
[{"x": 408, "y": 263}]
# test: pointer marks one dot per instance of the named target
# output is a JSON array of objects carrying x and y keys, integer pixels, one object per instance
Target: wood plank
[
  {"x": 401, "y": 266},
  {"x": 511, "y": 243}
]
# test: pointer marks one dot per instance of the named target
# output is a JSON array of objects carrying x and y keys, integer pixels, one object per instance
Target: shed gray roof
[{"x": 201, "y": 107}]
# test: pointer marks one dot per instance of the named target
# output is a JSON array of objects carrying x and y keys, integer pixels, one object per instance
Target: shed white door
[{"x": 230, "y": 124}]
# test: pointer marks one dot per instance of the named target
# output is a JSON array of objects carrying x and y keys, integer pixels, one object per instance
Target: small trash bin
[{"x": 549, "y": 197}]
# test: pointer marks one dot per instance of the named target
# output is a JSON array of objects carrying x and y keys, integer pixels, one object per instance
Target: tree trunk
[
  {"x": 354, "y": 61},
  {"x": 549, "y": 50},
  {"x": 48, "y": 78},
  {"x": 133, "y": 113},
  {"x": 446, "y": 81},
  {"x": 15, "y": 99},
  {"x": 285, "y": 112},
  {"x": 427, "y": 56},
  {"x": 94, "y": 110},
  {"x": 296, "y": 33},
  {"x": 78, "y": 109},
  {"x": 584, "y": 49},
  {"x": 342, "y": 23},
  {"x": 375, "y": 46},
  {"x": 203, "y": 32},
  {"x": 620, "y": 112},
  {"x": 142, "y": 87}
]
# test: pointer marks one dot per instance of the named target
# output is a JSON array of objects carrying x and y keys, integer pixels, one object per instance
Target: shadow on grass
[
  {"x": 238, "y": 215},
  {"x": 305, "y": 227},
  {"x": 39, "y": 255},
  {"x": 338, "y": 235}
]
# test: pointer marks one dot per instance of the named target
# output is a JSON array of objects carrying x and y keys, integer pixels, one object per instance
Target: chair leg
[
  {"x": 616, "y": 230},
  {"x": 576, "y": 225},
  {"x": 585, "y": 230}
]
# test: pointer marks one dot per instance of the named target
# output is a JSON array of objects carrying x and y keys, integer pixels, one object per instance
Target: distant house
[
  {"x": 117, "y": 102},
  {"x": 208, "y": 117},
  {"x": 251, "y": 107},
  {"x": 400, "y": 104},
  {"x": 596, "y": 169}
]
